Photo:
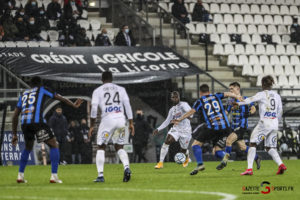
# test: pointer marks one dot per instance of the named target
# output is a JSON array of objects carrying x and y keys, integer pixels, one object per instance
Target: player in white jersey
[
  {"x": 111, "y": 99},
  {"x": 181, "y": 132},
  {"x": 270, "y": 113}
]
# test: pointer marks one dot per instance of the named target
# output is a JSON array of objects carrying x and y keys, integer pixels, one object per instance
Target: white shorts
[
  {"x": 260, "y": 133},
  {"x": 184, "y": 139},
  {"x": 111, "y": 129}
]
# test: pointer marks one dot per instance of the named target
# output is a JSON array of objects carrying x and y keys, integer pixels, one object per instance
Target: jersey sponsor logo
[
  {"x": 115, "y": 109},
  {"x": 28, "y": 110},
  {"x": 270, "y": 115}
]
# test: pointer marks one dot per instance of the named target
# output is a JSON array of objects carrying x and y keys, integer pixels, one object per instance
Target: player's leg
[
  {"x": 243, "y": 147},
  {"x": 100, "y": 160},
  {"x": 171, "y": 137},
  {"x": 271, "y": 144},
  {"x": 184, "y": 142},
  {"x": 29, "y": 141},
  {"x": 54, "y": 158},
  {"x": 197, "y": 151}
]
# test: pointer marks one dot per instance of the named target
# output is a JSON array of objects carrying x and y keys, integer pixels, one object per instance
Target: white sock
[
  {"x": 100, "y": 159},
  {"x": 187, "y": 153},
  {"x": 273, "y": 152},
  {"x": 163, "y": 152},
  {"x": 251, "y": 156},
  {"x": 124, "y": 158}
]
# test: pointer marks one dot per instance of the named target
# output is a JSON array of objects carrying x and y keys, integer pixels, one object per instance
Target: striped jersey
[
  {"x": 211, "y": 107},
  {"x": 239, "y": 114},
  {"x": 31, "y": 105}
]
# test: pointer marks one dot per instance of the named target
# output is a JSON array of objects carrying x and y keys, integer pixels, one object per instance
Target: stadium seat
[
  {"x": 243, "y": 60},
  {"x": 260, "y": 49},
  {"x": 253, "y": 60},
  {"x": 284, "y": 10},
  {"x": 293, "y": 80},
  {"x": 284, "y": 60},
  {"x": 272, "y": 29},
  {"x": 218, "y": 49},
  {"x": 259, "y": 77},
  {"x": 46, "y": 3},
  {"x": 2, "y": 44},
  {"x": 257, "y": 70},
  {"x": 270, "y": 2},
  {"x": 264, "y": 60},
  {"x": 287, "y": 20},
  {"x": 286, "y": 39},
  {"x": 95, "y": 33},
  {"x": 228, "y": 19},
  {"x": 163, "y": 5},
  {"x": 256, "y": 39},
  {"x": 258, "y": 19},
  {"x": 53, "y": 35},
  {"x": 232, "y": 60},
  {"x": 111, "y": 35},
  {"x": 245, "y": 8},
  {"x": 278, "y": 19},
  {"x": 228, "y": 49},
  {"x": 214, "y": 8},
  {"x": 276, "y": 39},
  {"x": 297, "y": 70},
  {"x": 84, "y": 14},
  {"x": 218, "y": 19},
  {"x": 268, "y": 19},
  {"x": 241, "y": 29},
  {"x": 95, "y": 24},
  {"x": 234, "y": 8},
  {"x": 288, "y": 70},
  {"x": 264, "y": 9},
  {"x": 231, "y": 28},
  {"x": 224, "y": 8},
  {"x": 252, "y": 29},
  {"x": 200, "y": 28},
  {"x": 211, "y": 28},
  {"x": 254, "y": 9},
  {"x": 248, "y": 19},
  {"x": 239, "y": 49},
  {"x": 21, "y": 44},
  {"x": 83, "y": 24},
  {"x": 268, "y": 70},
  {"x": 262, "y": 29},
  {"x": 274, "y": 60},
  {"x": 221, "y": 28},
  {"x": 44, "y": 44},
  {"x": 294, "y": 11},
  {"x": 274, "y": 10},
  {"x": 247, "y": 70},
  {"x": 270, "y": 49},
  {"x": 283, "y": 80},
  {"x": 282, "y": 29},
  {"x": 23, "y": 3},
  {"x": 278, "y": 69},
  {"x": 298, "y": 49},
  {"x": 225, "y": 39},
  {"x": 54, "y": 44},
  {"x": 238, "y": 19},
  {"x": 214, "y": 37},
  {"x": 280, "y": 50},
  {"x": 191, "y": 7},
  {"x": 52, "y": 23},
  {"x": 44, "y": 35},
  {"x": 288, "y": 2},
  {"x": 191, "y": 28},
  {"x": 33, "y": 44},
  {"x": 250, "y": 49},
  {"x": 294, "y": 60}
]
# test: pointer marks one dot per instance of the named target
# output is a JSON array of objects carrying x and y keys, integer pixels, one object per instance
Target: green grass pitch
[{"x": 171, "y": 182}]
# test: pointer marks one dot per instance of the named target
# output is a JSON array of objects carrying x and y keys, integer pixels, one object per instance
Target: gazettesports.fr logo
[{"x": 266, "y": 188}]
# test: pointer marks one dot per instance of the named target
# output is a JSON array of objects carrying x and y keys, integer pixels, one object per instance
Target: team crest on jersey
[
  {"x": 106, "y": 134},
  {"x": 261, "y": 137},
  {"x": 274, "y": 140}
]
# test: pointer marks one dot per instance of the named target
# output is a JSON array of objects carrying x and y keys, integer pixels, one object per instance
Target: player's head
[
  {"x": 235, "y": 88},
  {"x": 267, "y": 82},
  {"x": 175, "y": 97},
  {"x": 58, "y": 110},
  {"x": 107, "y": 77},
  {"x": 35, "y": 81},
  {"x": 204, "y": 89},
  {"x": 139, "y": 113}
]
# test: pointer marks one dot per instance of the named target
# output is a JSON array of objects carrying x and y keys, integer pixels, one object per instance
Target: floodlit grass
[{"x": 171, "y": 182}]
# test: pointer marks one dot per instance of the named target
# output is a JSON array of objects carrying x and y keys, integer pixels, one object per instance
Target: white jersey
[
  {"x": 270, "y": 108},
  {"x": 111, "y": 99},
  {"x": 175, "y": 113}
]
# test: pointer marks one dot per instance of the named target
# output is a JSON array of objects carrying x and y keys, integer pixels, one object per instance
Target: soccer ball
[{"x": 179, "y": 158}]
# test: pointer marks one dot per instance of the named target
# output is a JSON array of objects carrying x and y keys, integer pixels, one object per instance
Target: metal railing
[{"x": 123, "y": 14}]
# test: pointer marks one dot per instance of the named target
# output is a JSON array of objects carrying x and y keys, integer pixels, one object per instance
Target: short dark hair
[
  {"x": 107, "y": 76},
  {"x": 204, "y": 88},
  {"x": 35, "y": 81},
  {"x": 235, "y": 84},
  {"x": 175, "y": 93},
  {"x": 267, "y": 81}
]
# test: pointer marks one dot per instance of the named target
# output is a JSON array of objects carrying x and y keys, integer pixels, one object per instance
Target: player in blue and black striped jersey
[
  {"x": 216, "y": 126},
  {"x": 239, "y": 125},
  {"x": 30, "y": 106}
]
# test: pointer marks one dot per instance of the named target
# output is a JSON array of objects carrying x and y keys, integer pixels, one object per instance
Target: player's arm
[
  {"x": 94, "y": 112},
  {"x": 186, "y": 108},
  {"x": 76, "y": 104},
  {"x": 252, "y": 110},
  {"x": 128, "y": 110},
  {"x": 230, "y": 94},
  {"x": 15, "y": 121},
  {"x": 186, "y": 115},
  {"x": 250, "y": 100},
  {"x": 164, "y": 124}
]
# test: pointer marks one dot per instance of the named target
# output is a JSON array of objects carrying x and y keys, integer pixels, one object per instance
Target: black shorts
[
  {"x": 41, "y": 131},
  {"x": 204, "y": 134},
  {"x": 240, "y": 132}
]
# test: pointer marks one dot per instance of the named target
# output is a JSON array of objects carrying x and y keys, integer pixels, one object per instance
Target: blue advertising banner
[{"x": 10, "y": 154}]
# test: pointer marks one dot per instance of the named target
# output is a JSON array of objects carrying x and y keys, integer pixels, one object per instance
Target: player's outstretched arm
[
  {"x": 250, "y": 100},
  {"x": 76, "y": 104},
  {"x": 230, "y": 94},
  {"x": 186, "y": 115},
  {"x": 164, "y": 124},
  {"x": 252, "y": 110},
  {"x": 15, "y": 120}
]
